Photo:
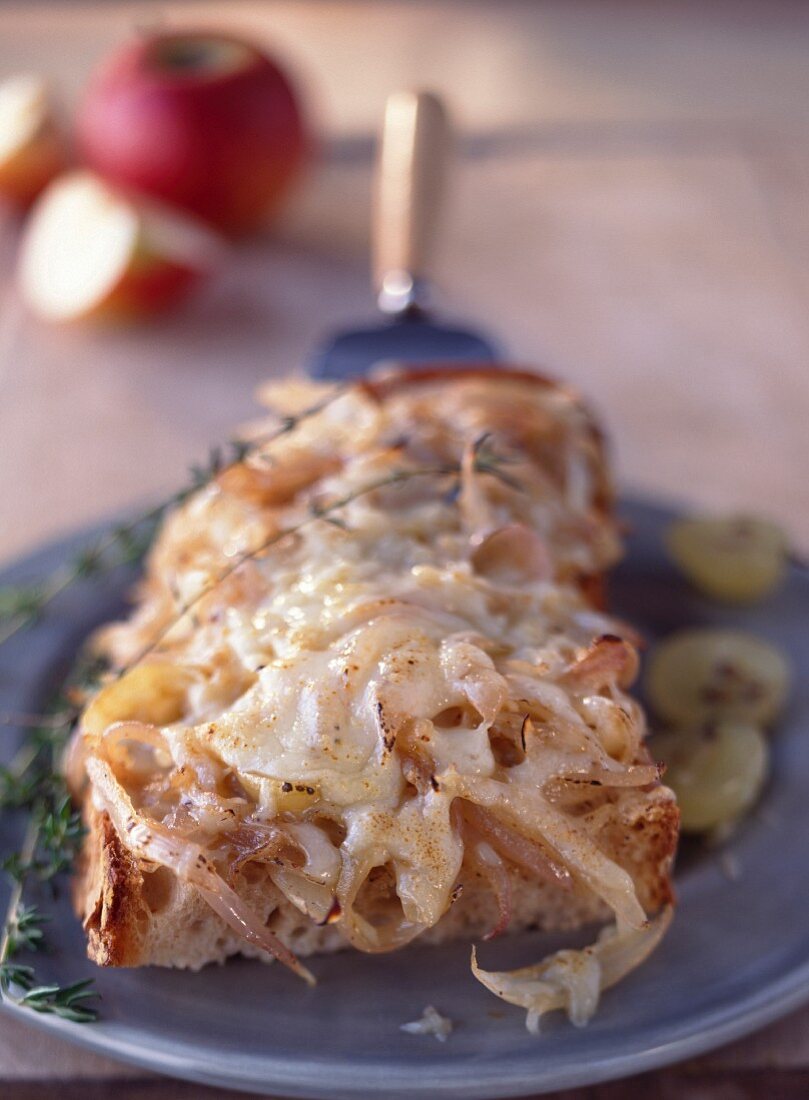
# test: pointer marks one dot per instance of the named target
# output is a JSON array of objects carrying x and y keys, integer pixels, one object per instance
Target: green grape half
[
  {"x": 717, "y": 772},
  {"x": 738, "y": 559},
  {"x": 703, "y": 674}
]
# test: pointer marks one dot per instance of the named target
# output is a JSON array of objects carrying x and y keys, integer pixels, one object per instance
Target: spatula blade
[{"x": 413, "y": 340}]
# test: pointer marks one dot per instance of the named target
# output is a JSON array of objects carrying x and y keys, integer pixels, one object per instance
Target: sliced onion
[
  {"x": 530, "y": 814},
  {"x": 135, "y": 750},
  {"x": 599, "y": 623},
  {"x": 249, "y": 841},
  {"x": 73, "y": 764},
  {"x": 515, "y": 847},
  {"x": 310, "y": 888},
  {"x": 190, "y": 863},
  {"x": 131, "y": 730},
  {"x": 486, "y": 860},
  {"x": 608, "y": 660},
  {"x": 620, "y": 725},
  {"x": 470, "y": 672},
  {"x": 216, "y": 816},
  {"x": 554, "y": 705},
  {"x": 323, "y": 862},
  {"x": 230, "y": 907},
  {"x": 359, "y": 931},
  {"x": 312, "y": 898},
  {"x": 417, "y": 768},
  {"x": 513, "y": 555},
  {"x": 574, "y": 980},
  {"x": 563, "y": 721}
]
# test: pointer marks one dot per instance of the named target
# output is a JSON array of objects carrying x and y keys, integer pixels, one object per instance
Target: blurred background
[{"x": 628, "y": 209}]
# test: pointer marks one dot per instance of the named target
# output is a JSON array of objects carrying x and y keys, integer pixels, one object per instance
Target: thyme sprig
[
  {"x": 43, "y": 855},
  {"x": 127, "y": 543},
  {"x": 487, "y": 460},
  {"x": 34, "y": 782}
]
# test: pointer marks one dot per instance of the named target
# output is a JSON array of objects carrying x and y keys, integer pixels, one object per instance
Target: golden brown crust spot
[
  {"x": 644, "y": 843},
  {"x": 108, "y": 895}
]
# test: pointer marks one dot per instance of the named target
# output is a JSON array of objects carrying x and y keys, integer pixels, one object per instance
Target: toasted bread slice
[{"x": 441, "y": 645}]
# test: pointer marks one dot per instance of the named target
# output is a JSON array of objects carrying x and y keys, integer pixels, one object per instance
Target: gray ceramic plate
[{"x": 737, "y": 955}]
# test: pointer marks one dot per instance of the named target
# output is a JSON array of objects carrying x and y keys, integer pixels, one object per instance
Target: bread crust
[{"x": 107, "y": 893}]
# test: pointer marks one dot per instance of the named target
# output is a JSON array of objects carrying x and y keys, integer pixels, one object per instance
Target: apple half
[
  {"x": 32, "y": 149},
  {"x": 89, "y": 250}
]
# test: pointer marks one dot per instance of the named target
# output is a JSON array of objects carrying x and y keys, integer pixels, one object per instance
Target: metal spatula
[{"x": 409, "y": 186}]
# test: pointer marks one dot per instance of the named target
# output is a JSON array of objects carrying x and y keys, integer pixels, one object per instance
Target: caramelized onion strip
[
  {"x": 574, "y": 980},
  {"x": 513, "y": 846},
  {"x": 608, "y": 660},
  {"x": 485, "y": 860},
  {"x": 535, "y": 818},
  {"x": 512, "y": 555},
  {"x": 310, "y": 888},
  {"x": 360, "y": 932}
]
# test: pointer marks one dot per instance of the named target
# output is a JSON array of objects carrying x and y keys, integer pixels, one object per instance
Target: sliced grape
[
  {"x": 717, "y": 773},
  {"x": 703, "y": 674},
  {"x": 738, "y": 559}
]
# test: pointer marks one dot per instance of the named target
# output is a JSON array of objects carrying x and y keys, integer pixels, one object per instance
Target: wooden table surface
[{"x": 630, "y": 210}]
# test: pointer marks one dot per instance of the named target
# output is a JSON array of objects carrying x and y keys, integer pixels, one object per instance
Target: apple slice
[
  {"x": 91, "y": 251},
  {"x": 32, "y": 150}
]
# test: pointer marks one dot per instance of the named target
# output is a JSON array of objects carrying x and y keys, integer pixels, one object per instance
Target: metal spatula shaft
[{"x": 408, "y": 193}]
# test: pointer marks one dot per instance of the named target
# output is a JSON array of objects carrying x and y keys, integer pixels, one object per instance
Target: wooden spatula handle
[{"x": 408, "y": 191}]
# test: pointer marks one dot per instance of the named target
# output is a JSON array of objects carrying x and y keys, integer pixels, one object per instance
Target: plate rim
[{"x": 294, "y": 1080}]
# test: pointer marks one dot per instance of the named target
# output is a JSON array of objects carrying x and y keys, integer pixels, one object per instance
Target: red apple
[
  {"x": 32, "y": 150},
  {"x": 88, "y": 251},
  {"x": 206, "y": 122}
]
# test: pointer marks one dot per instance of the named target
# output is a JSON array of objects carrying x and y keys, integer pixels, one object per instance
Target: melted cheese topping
[{"x": 375, "y": 600}]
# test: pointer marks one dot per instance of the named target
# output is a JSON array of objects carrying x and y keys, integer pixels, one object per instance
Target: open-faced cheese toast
[{"x": 369, "y": 692}]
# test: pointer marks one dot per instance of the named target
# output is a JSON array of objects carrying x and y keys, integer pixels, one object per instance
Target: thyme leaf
[{"x": 33, "y": 781}]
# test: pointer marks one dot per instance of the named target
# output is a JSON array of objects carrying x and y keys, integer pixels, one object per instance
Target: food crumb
[{"x": 431, "y": 1023}]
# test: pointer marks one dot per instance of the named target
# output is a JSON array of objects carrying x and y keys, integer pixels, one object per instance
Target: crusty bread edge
[{"x": 112, "y": 896}]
